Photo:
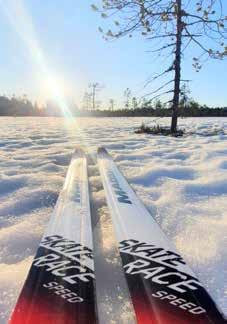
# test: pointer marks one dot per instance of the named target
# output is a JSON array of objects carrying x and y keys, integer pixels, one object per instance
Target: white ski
[
  {"x": 164, "y": 290},
  {"x": 60, "y": 285}
]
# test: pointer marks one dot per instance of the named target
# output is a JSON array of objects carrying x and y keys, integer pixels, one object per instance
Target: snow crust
[{"x": 182, "y": 181}]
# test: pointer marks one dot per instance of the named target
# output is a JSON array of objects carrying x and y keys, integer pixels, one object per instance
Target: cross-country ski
[
  {"x": 60, "y": 285},
  {"x": 164, "y": 290}
]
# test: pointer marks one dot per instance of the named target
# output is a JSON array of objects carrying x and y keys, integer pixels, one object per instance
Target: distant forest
[{"x": 16, "y": 106}]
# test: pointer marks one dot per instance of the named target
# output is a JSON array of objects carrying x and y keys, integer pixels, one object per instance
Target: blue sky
[{"x": 60, "y": 39}]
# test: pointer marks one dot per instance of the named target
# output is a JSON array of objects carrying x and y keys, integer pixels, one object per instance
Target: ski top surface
[
  {"x": 59, "y": 288},
  {"x": 163, "y": 289}
]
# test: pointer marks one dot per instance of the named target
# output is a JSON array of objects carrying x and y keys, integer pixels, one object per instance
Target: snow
[{"x": 182, "y": 181}]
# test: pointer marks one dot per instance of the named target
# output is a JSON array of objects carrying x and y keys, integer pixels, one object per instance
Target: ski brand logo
[
  {"x": 122, "y": 196},
  {"x": 164, "y": 267},
  {"x": 66, "y": 259},
  {"x": 164, "y": 270}
]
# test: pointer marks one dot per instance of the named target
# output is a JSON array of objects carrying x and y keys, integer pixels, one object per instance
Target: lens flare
[{"x": 22, "y": 23}]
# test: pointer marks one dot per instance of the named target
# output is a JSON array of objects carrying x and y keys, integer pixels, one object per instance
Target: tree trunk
[{"x": 177, "y": 68}]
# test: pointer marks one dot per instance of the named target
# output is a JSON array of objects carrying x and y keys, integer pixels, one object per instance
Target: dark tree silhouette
[
  {"x": 95, "y": 88},
  {"x": 87, "y": 101},
  {"x": 175, "y": 24},
  {"x": 127, "y": 96},
  {"x": 111, "y": 105}
]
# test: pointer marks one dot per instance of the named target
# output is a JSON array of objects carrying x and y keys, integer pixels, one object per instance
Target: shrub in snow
[{"x": 158, "y": 130}]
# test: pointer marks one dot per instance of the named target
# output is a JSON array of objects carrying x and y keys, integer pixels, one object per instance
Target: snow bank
[{"x": 182, "y": 181}]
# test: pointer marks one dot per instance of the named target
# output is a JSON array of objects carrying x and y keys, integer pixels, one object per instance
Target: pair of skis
[{"x": 60, "y": 287}]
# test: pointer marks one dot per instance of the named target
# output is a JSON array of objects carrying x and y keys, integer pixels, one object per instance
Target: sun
[{"x": 22, "y": 23}]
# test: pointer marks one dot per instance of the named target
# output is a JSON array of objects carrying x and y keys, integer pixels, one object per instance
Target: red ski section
[{"x": 26, "y": 312}]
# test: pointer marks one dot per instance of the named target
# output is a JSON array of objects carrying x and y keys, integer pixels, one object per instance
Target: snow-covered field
[{"x": 182, "y": 181}]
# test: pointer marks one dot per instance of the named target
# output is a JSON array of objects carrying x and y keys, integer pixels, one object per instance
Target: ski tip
[
  {"x": 103, "y": 153},
  {"x": 78, "y": 152},
  {"x": 102, "y": 150}
]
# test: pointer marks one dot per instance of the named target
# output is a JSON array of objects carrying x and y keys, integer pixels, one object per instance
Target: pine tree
[{"x": 176, "y": 25}]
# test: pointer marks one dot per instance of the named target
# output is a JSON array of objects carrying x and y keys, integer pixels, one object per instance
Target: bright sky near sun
[{"x": 52, "y": 48}]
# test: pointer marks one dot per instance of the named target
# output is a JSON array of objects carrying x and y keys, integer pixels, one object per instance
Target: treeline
[
  {"x": 22, "y": 106},
  {"x": 190, "y": 108},
  {"x": 17, "y": 106}
]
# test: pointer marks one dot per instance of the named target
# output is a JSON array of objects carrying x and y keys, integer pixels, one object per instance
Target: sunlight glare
[{"x": 23, "y": 25}]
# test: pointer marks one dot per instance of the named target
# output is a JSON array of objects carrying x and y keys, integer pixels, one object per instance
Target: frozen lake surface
[{"x": 182, "y": 181}]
